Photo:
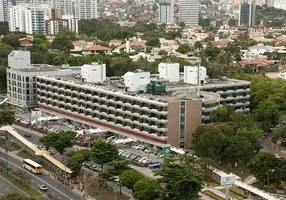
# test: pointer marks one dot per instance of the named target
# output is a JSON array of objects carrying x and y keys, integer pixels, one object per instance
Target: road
[
  {"x": 7, "y": 187},
  {"x": 54, "y": 187}
]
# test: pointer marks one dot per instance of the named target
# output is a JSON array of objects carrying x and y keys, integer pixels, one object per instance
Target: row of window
[
  {"x": 101, "y": 95},
  {"x": 114, "y": 119},
  {"x": 225, "y": 88}
]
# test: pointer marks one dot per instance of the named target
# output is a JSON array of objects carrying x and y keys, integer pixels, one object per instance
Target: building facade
[
  {"x": 166, "y": 11},
  {"x": 86, "y": 9},
  {"x": 54, "y": 26},
  {"x": 247, "y": 14},
  {"x": 3, "y": 10},
  {"x": 21, "y": 78},
  {"x": 27, "y": 19},
  {"x": 189, "y": 12}
]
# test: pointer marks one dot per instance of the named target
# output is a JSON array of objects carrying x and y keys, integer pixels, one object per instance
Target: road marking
[
  {"x": 7, "y": 189},
  {"x": 1, "y": 193},
  {"x": 33, "y": 181},
  {"x": 37, "y": 178}
]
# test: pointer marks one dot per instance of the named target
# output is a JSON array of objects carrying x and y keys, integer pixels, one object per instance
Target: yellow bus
[{"x": 32, "y": 166}]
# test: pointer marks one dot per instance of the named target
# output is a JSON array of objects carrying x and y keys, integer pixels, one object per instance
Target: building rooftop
[
  {"x": 49, "y": 68},
  {"x": 175, "y": 91}
]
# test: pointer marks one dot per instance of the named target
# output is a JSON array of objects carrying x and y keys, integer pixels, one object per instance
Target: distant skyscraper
[
  {"x": 3, "y": 10},
  {"x": 247, "y": 14},
  {"x": 27, "y": 19},
  {"x": 189, "y": 12},
  {"x": 166, "y": 11},
  {"x": 65, "y": 5},
  {"x": 86, "y": 9}
]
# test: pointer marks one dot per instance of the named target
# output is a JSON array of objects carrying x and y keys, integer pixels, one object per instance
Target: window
[{"x": 27, "y": 79}]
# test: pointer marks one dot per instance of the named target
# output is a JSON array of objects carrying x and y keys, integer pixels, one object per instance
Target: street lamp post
[{"x": 6, "y": 152}]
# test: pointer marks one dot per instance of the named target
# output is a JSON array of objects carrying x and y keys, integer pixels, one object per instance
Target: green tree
[
  {"x": 129, "y": 177},
  {"x": 3, "y": 79},
  {"x": 7, "y": 116},
  {"x": 222, "y": 114},
  {"x": 65, "y": 140},
  {"x": 265, "y": 163},
  {"x": 11, "y": 39},
  {"x": 63, "y": 41},
  {"x": 198, "y": 45},
  {"x": 163, "y": 53},
  {"x": 209, "y": 140},
  {"x": 267, "y": 112},
  {"x": 49, "y": 140},
  {"x": 239, "y": 147},
  {"x": 153, "y": 42},
  {"x": 179, "y": 182},
  {"x": 76, "y": 158},
  {"x": 115, "y": 168},
  {"x": 4, "y": 28},
  {"x": 147, "y": 189},
  {"x": 184, "y": 48},
  {"x": 103, "y": 152},
  {"x": 5, "y": 50},
  {"x": 121, "y": 65}
]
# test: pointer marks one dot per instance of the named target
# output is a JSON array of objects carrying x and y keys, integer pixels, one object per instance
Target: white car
[
  {"x": 43, "y": 187},
  {"x": 277, "y": 156},
  {"x": 139, "y": 147}
]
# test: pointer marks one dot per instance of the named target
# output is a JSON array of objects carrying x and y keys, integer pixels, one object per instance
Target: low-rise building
[{"x": 96, "y": 49}]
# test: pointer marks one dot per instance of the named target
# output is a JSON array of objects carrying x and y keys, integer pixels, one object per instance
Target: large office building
[
  {"x": 21, "y": 78},
  {"x": 166, "y": 11},
  {"x": 247, "y": 14},
  {"x": 27, "y": 19},
  {"x": 189, "y": 12},
  {"x": 3, "y": 10},
  {"x": 147, "y": 107}
]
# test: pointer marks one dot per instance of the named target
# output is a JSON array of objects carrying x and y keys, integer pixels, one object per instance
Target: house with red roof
[
  {"x": 96, "y": 49},
  {"x": 26, "y": 42}
]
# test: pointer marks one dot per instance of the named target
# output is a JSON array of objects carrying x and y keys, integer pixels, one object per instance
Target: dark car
[{"x": 28, "y": 135}]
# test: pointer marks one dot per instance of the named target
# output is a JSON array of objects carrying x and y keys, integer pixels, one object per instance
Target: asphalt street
[
  {"x": 54, "y": 187},
  {"x": 7, "y": 187}
]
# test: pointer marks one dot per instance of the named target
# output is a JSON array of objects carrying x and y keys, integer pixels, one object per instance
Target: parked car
[
  {"x": 120, "y": 153},
  {"x": 28, "y": 135},
  {"x": 139, "y": 147},
  {"x": 43, "y": 187},
  {"x": 137, "y": 159},
  {"x": 127, "y": 155},
  {"x": 124, "y": 154}
]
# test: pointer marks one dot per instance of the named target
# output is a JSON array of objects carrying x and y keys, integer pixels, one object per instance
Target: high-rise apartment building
[
  {"x": 3, "y": 10},
  {"x": 27, "y": 19},
  {"x": 247, "y": 14},
  {"x": 189, "y": 12},
  {"x": 166, "y": 11},
  {"x": 85, "y": 9},
  {"x": 72, "y": 23}
]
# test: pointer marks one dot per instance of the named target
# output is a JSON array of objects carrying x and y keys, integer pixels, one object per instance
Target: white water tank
[
  {"x": 94, "y": 73},
  {"x": 191, "y": 74},
  {"x": 170, "y": 71},
  {"x": 19, "y": 60},
  {"x": 136, "y": 81}
]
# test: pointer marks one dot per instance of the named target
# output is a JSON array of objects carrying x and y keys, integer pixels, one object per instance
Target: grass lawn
[
  {"x": 26, "y": 155},
  {"x": 212, "y": 195},
  {"x": 26, "y": 188},
  {"x": 103, "y": 192},
  {"x": 210, "y": 181},
  {"x": 241, "y": 170},
  {"x": 236, "y": 195},
  {"x": 12, "y": 146}
]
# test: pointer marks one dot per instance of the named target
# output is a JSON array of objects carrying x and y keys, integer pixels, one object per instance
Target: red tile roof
[{"x": 97, "y": 48}]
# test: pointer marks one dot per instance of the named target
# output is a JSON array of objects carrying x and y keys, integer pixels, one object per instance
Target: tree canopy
[
  {"x": 76, "y": 158},
  {"x": 147, "y": 189},
  {"x": 60, "y": 141},
  {"x": 7, "y": 116},
  {"x": 179, "y": 182},
  {"x": 103, "y": 151},
  {"x": 15, "y": 196},
  {"x": 129, "y": 177}
]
